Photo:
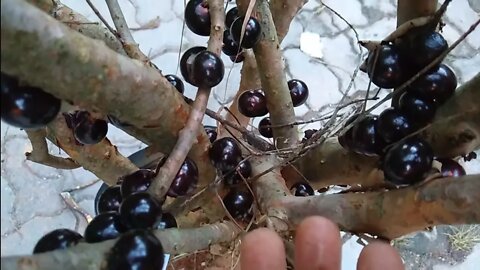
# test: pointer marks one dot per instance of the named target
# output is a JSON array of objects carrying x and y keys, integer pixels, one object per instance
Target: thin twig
[
  {"x": 40, "y": 154},
  {"x": 188, "y": 134}
]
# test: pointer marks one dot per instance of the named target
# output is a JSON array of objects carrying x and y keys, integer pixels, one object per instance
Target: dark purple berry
[
  {"x": 298, "y": 92},
  {"x": 230, "y": 17},
  {"x": 208, "y": 69},
  {"x": 451, "y": 168},
  {"x": 366, "y": 140},
  {"x": 186, "y": 179},
  {"x": 393, "y": 125},
  {"x": 57, "y": 239},
  {"x": 302, "y": 189},
  {"x": 197, "y": 17},
  {"x": 264, "y": 128},
  {"x": 237, "y": 58},
  {"x": 186, "y": 63},
  {"x": 104, "y": 227},
  {"x": 211, "y": 133},
  {"x": 388, "y": 70},
  {"x": 87, "y": 129},
  {"x": 230, "y": 46},
  {"x": 252, "y": 103},
  {"x": 176, "y": 82},
  {"x": 225, "y": 154},
  {"x": 252, "y": 32},
  {"x": 242, "y": 171},
  {"x": 140, "y": 211},
  {"x": 420, "y": 49},
  {"x": 438, "y": 85},
  {"x": 136, "y": 249},
  {"x": 138, "y": 181},
  {"x": 109, "y": 200},
  {"x": 408, "y": 161},
  {"x": 25, "y": 106},
  {"x": 422, "y": 111},
  {"x": 238, "y": 203},
  {"x": 169, "y": 220}
]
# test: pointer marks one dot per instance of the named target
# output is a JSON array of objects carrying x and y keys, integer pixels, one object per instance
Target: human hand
[{"x": 317, "y": 247}]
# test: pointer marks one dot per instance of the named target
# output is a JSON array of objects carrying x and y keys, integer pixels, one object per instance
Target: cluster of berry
[{"x": 405, "y": 158}]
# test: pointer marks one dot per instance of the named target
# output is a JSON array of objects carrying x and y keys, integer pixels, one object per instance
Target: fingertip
[
  {"x": 317, "y": 244},
  {"x": 379, "y": 255},
  {"x": 262, "y": 249}
]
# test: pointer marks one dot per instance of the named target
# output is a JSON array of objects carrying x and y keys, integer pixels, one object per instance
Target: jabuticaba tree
[{"x": 198, "y": 186}]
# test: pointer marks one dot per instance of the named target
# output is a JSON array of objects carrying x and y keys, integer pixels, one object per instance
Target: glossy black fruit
[
  {"x": 25, "y": 106},
  {"x": 104, "y": 227},
  {"x": 186, "y": 63},
  {"x": 422, "y": 48},
  {"x": 110, "y": 200},
  {"x": 197, "y": 17},
  {"x": 87, "y": 129},
  {"x": 389, "y": 70},
  {"x": 137, "y": 181},
  {"x": 237, "y": 58},
  {"x": 136, "y": 250},
  {"x": 302, "y": 189},
  {"x": 346, "y": 139},
  {"x": 298, "y": 92},
  {"x": 186, "y": 179},
  {"x": 57, "y": 239},
  {"x": 176, "y": 82},
  {"x": 264, "y": 128},
  {"x": 366, "y": 140},
  {"x": 252, "y": 32},
  {"x": 437, "y": 85},
  {"x": 408, "y": 161},
  {"x": 243, "y": 171},
  {"x": 451, "y": 168},
  {"x": 140, "y": 211},
  {"x": 230, "y": 46},
  {"x": 422, "y": 111},
  {"x": 252, "y": 103},
  {"x": 211, "y": 133},
  {"x": 208, "y": 69},
  {"x": 225, "y": 154},
  {"x": 393, "y": 125},
  {"x": 169, "y": 220},
  {"x": 238, "y": 203},
  {"x": 230, "y": 17}
]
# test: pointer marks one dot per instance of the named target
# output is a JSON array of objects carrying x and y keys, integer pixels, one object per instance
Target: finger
[
  {"x": 379, "y": 256},
  {"x": 317, "y": 245},
  {"x": 262, "y": 249}
]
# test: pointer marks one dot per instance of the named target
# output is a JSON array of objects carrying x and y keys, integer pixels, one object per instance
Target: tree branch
[
  {"x": 391, "y": 214},
  {"x": 40, "y": 154},
  {"x": 131, "y": 47},
  {"x": 92, "y": 256},
  {"x": 274, "y": 82},
  {"x": 37, "y": 48},
  {"x": 188, "y": 135},
  {"x": 102, "y": 159}
]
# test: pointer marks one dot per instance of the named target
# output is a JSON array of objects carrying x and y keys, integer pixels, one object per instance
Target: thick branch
[
  {"x": 40, "y": 154},
  {"x": 188, "y": 135},
  {"x": 92, "y": 256},
  {"x": 102, "y": 159},
  {"x": 391, "y": 214},
  {"x": 37, "y": 48},
  {"x": 456, "y": 128},
  {"x": 274, "y": 82}
]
